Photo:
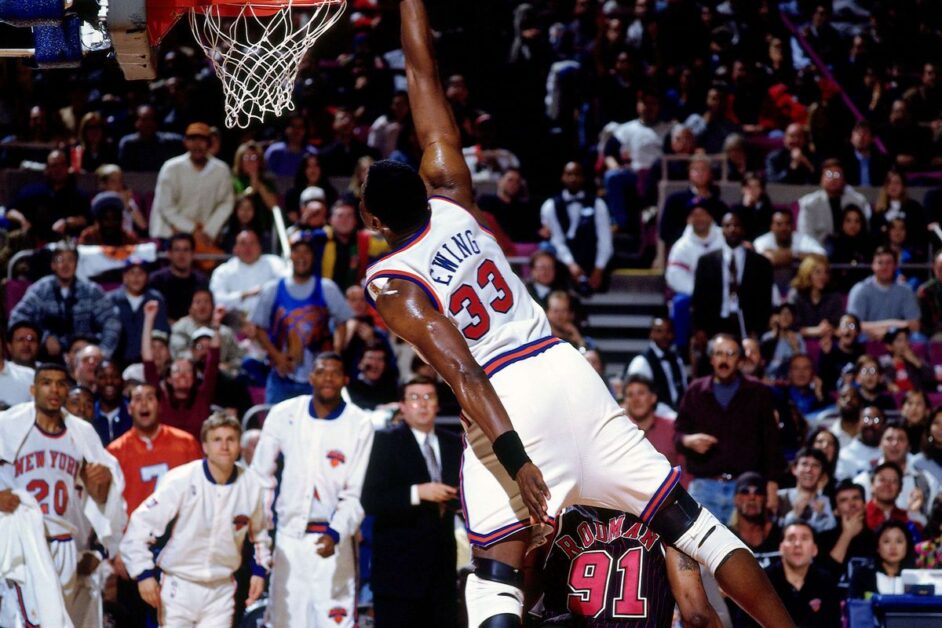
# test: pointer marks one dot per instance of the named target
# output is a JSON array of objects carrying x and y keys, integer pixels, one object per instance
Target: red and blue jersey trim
[
  {"x": 528, "y": 350},
  {"x": 62, "y": 538},
  {"x": 316, "y": 527},
  {"x": 19, "y": 598},
  {"x": 401, "y": 274},
  {"x": 660, "y": 495},
  {"x": 484, "y": 228},
  {"x": 408, "y": 244}
]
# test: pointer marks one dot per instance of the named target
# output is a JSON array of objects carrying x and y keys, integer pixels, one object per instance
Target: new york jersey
[
  {"x": 605, "y": 569},
  {"x": 462, "y": 269}
]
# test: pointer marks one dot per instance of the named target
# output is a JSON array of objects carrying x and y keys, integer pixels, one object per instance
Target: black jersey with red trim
[{"x": 605, "y": 569}]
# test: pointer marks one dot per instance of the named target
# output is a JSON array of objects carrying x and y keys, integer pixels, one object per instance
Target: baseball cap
[
  {"x": 134, "y": 261},
  {"x": 134, "y": 374},
  {"x": 159, "y": 334},
  {"x": 305, "y": 236},
  {"x": 312, "y": 193},
  {"x": 202, "y": 332},
  {"x": 107, "y": 201},
  {"x": 751, "y": 479},
  {"x": 198, "y": 129}
]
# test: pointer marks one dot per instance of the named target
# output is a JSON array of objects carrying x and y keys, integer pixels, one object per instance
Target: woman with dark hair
[
  {"x": 895, "y": 552},
  {"x": 309, "y": 174},
  {"x": 851, "y": 245},
  {"x": 915, "y": 413},
  {"x": 826, "y": 441},
  {"x": 929, "y": 459},
  {"x": 245, "y": 215},
  {"x": 894, "y": 203}
]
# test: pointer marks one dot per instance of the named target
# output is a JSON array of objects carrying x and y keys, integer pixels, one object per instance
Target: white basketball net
[{"x": 257, "y": 56}]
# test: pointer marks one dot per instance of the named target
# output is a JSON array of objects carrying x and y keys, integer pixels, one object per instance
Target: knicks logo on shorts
[
  {"x": 336, "y": 457},
  {"x": 239, "y": 522},
  {"x": 337, "y": 614}
]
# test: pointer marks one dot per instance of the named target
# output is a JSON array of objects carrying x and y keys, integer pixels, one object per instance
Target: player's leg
[
  {"x": 291, "y": 577},
  {"x": 65, "y": 560},
  {"x": 180, "y": 603},
  {"x": 218, "y": 604},
  {"x": 494, "y": 591},
  {"x": 335, "y": 605}
]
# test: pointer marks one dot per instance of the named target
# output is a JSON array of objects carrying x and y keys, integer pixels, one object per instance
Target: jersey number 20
[
  {"x": 467, "y": 298},
  {"x": 60, "y": 495},
  {"x": 589, "y": 576}
]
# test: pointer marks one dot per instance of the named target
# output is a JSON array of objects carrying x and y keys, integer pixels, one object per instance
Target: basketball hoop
[{"x": 256, "y": 46}]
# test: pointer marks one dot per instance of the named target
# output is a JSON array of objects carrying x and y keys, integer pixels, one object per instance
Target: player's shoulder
[
  {"x": 355, "y": 414},
  {"x": 183, "y": 473},
  {"x": 286, "y": 411}
]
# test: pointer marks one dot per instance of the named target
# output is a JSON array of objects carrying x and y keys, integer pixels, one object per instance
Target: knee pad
[{"x": 494, "y": 595}]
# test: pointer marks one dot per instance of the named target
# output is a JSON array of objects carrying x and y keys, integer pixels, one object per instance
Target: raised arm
[
  {"x": 443, "y": 167},
  {"x": 408, "y": 313}
]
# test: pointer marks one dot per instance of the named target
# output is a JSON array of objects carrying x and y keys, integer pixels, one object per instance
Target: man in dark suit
[
  {"x": 862, "y": 164},
  {"x": 732, "y": 290},
  {"x": 411, "y": 490},
  {"x": 792, "y": 163}
]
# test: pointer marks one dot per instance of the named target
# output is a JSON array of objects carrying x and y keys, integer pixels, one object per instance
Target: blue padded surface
[
  {"x": 31, "y": 12},
  {"x": 59, "y": 46}
]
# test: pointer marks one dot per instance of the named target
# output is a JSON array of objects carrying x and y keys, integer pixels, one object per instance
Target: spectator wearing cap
[
  {"x": 793, "y": 162},
  {"x": 129, "y": 300},
  {"x": 179, "y": 280},
  {"x": 701, "y": 193},
  {"x": 752, "y": 522},
  {"x": 194, "y": 192},
  {"x": 237, "y": 283},
  {"x": 147, "y": 149},
  {"x": 312, "y": 210},
  {"x": 820, "y": 213},
  {"x": 108, "y": 214},
  {"x": 160, "y": 348},
  {"x": 64, "y": 306},
  {"x": 880, "y": 302},
  {"x": 806, "y": 501},
  {"x": 297, "y": 318},
  {"x": 15, "y": 382},
  {"x": 22, "y": 343},
  {"x": 285, "y": 156},
  {"x": 201, "y": 316},
  {"x": 110, "y": 417},
  {"x": 726, "y": 426}
]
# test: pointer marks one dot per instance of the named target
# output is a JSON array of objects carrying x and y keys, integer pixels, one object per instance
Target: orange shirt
[{"x": 144, "y": 462}]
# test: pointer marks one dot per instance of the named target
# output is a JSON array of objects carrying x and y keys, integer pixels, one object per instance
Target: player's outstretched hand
[
  {"x": 325, "y": 546},
  {"x": 256, "y": 588},
  {"x": 8, "y": 501},
  {"x": 534, "y": 492},
  {"x": 150, "y": 592},
  {"x": 97, "y": 480}
]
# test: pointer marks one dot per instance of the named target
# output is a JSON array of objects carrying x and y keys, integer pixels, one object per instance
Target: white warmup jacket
[
  {"x": 212, "y": 521},
  {"x": 325, "y": 462},
  {"x": 686, "y": 253}
]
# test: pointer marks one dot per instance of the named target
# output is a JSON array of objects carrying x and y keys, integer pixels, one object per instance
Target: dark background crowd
[{"x": 777, "y": 162}]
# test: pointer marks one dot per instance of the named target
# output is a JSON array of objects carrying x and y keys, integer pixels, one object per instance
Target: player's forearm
[{"x": 481, "y": 404}]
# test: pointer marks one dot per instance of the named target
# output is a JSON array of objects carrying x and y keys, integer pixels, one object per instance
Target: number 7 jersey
[{"x": 461, "y": 268}]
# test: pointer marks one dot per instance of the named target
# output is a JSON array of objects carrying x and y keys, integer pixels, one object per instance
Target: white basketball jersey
[
  {"x": 47, "y": 466},
  {"x": 463, "y": 271}
]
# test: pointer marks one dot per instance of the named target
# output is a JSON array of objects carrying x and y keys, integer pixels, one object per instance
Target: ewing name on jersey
[{"x": 461, "y": 268}]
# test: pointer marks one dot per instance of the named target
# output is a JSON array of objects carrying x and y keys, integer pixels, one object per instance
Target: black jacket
[{"x": 755, "y": 293}]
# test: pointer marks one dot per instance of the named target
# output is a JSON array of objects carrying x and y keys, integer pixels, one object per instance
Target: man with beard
[
  {"x": 294, "y": 316},
  {"x": 752, "y": 521},
  {"x": 847, "y": 426},
  {"x": 111, "y": 418},
  {"x": 863, "y": 452},
  {"x": 726, "y": 426}
]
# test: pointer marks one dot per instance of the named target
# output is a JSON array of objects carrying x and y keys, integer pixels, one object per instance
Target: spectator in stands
[
  {"x": 110, "y": 418},
  {"x": 737, "y": 159},
  {"x": 834, "y": 359},
  {"x": 640, "y": 402},
  {"x": 872, "y": 386},
  {"x": 802, "y": 389},
  {"x": 340, "y": 158},
  {"x": 725, "y": 426},
  {"x": 851, "y": 538},
  {"x": 201, "y": 316},
  {"x": 111, "y": 179},
  {"x": 701, "y": 236},
  {"x": 732, "y": 287},
  {"x": 678, "y": 205},
  {"x": 925, "y": 100},
  {"x": 661, "y": 365},
  {"x": 682, "y": 143},
  {"x": 81, "y": 403},
  {"x": 930, "y": 302},
  {"x": 52, "y": 209},
  {"x": 929, "y": 458},
  {"x": 752, "y": 363},
  {"x": 179, "y": 281},
  {"x": 887, "y": 483},
  {"x": 847, "y": 426},
  {"x": 783, "y": 247},
  {"x": 914, "y": 413},
  {"x": 817, "y": 308},
  {"x": 284, "y": 157},
  {"x": 918, "y": 488},
  {"x": 715, "y": 123},
  {"x": 562, "y": 320},
  {"x": 579, "y": 229},
  {"x": 793, "y": 162},
  {"x": 309, "y": 174},
  {"x": 487, "y": 160},
  {"x": 184, "y": 400},
  {"x": 820, "y": 212},
  {"x": 362, "y": 332},
  {"x": 543, "y": 279},
  {"x": 15, "y": 382},
  {"x": 147, "y": 149},
  {"x": 193, "y": 193},
  {"x": 806, "y": 501},
  {"x": 23, "y": 343},
  {"x": 851, "y": 245},
  {"x": 237, "y": 283},
  {"x": 880, "y": 302},
  {"x": 511, "y": 207},
  {"x": 313, "y": 212},
  {"x": 384, "y": 132},
  {"x": 108, "y": 214},
  {"x": 160, "y": 347},
  {"x": 348, "y": 250},
  {"x": 782, "y": 341},
  {"x": 826, "y": 441},
  {"x": 863, "y": 165},
  {"x": 246, "y": 215},
  {"x": 902, "y": 368},
  {"x": 375, "y": 383},
  {"x": 755, "y": 207},
  {"x": 447, "y": 402},
  {"x": 82, "y": 364},
  {"x": 65, "y": 306},
  {"x": 808, "y": 591},
  {"x": 128, "y": 301},
  {"x": 298, "y": 317},
  {"x": 249, "y": 173},
  {"x": 906, "y": 142},
  {"x": 93, "y": 148},
  {"x": 862, "y": 453},
  {"x": 752, "y": 522},
  {"x": 895, "y": 552}
]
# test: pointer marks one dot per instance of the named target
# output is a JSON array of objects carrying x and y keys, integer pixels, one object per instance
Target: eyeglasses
[
  {"x": 871, "y": 419},
  {"x": 848, "y": 325},
  {"x": 833, "y": 174},
  {"x": 728, "y": 353},
  {"x": 868, "y": 370},
  {"x": 25, "y": 338},
  {"x": 416, "y": 397}
]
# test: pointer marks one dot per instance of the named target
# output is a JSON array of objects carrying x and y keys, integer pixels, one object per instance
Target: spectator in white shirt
[
  {"x": 702, "y": 235},
  {"x": 819, "y": 213},
  {"x": 783, "y": 247},
  {"x": 15, "y": 382},
  {"x": 237, "y": 283}
]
